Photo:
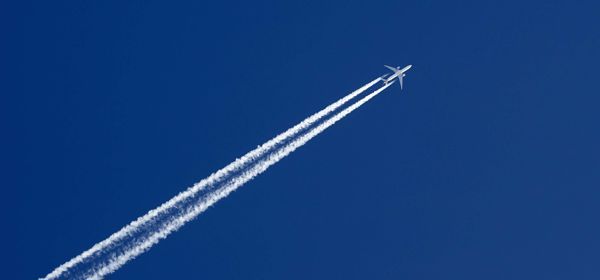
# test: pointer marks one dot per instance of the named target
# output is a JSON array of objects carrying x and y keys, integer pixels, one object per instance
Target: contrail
[
  {"x": 129, "y": 252},
  {"x": 221, "y": 174}
]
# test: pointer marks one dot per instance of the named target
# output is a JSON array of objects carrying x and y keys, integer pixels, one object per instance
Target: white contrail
[
  {"x": 233, "y": 167},
  {"x": 129, "y": 252}
]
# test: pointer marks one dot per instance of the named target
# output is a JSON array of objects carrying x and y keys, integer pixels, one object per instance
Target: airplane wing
[
  {"x": 401, "y": 79},
  {"x": 391, "y": 68}
]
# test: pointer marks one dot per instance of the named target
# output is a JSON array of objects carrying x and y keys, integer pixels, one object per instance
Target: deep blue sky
[{"x": 485, "y": 167}]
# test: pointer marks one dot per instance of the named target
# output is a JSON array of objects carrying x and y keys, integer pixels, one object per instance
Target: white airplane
[{"x": 398, "y": 73}]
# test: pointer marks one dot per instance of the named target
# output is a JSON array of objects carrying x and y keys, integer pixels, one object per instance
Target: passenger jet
[{"x": 398, "y": 73}]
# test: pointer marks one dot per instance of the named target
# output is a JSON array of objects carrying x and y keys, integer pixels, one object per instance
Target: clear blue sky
[{"x": 485, "y": 167}]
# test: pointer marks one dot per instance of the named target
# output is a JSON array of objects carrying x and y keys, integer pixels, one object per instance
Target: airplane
[{"x": 398, "y": 73}]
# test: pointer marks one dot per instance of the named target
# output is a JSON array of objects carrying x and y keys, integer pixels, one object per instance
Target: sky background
[{"x": 486, "y": 166}]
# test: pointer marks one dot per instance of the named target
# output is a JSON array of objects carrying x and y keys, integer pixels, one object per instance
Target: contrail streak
[
  {"x": 129, "y": 252},
  {"x": 228, "y": 170}
]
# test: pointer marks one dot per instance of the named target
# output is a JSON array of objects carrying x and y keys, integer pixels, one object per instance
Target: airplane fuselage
[{"x": 397, "y": 73}]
